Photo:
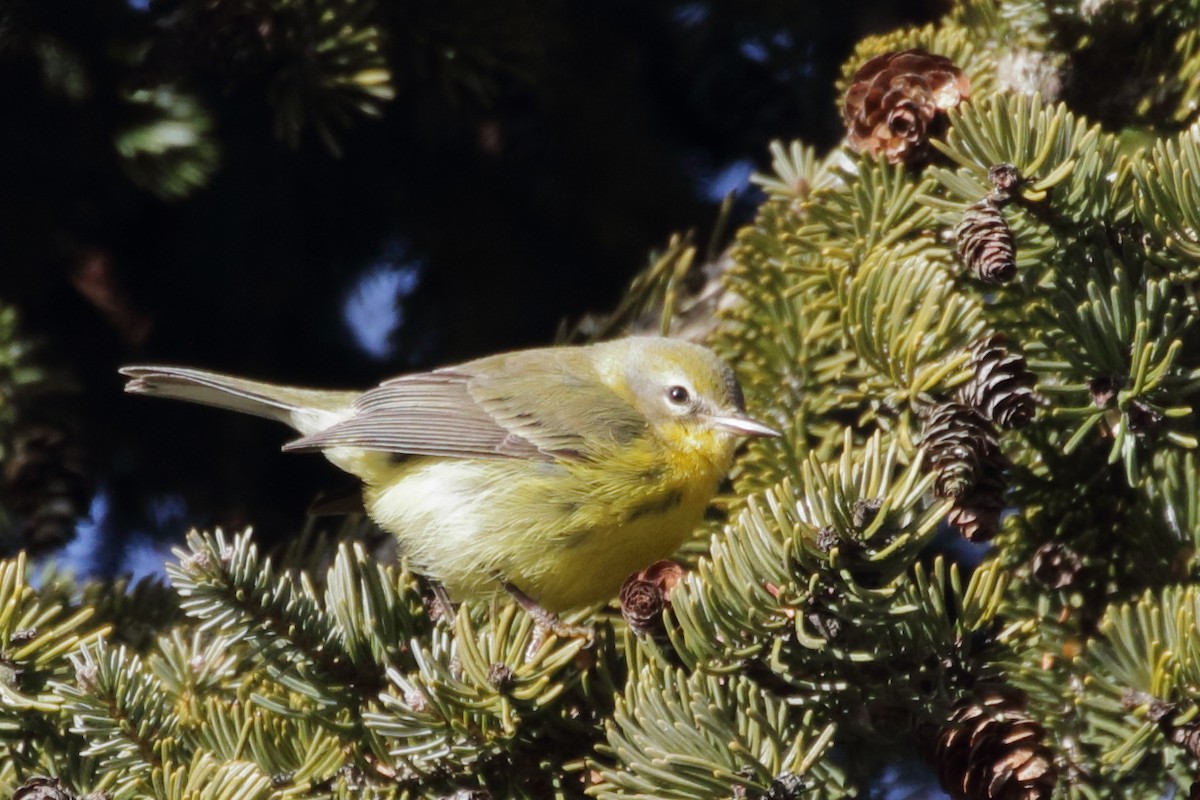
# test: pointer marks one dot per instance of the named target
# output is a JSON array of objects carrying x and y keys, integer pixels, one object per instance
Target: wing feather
[{"x": 484, "y": 409}]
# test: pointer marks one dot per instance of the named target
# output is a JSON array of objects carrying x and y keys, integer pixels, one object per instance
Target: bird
[{"x": 549, "y": 474}]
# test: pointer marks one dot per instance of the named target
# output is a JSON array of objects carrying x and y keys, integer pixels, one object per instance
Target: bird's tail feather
[{"x": 306, "y": 410}]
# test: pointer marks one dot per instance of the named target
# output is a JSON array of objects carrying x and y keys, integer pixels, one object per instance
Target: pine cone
[
  {"x": 1001, "y": 388},
  {"x": 990, "y": 750},
  {"x": 977, "y": 514},
  {"x": 43, "y": 788},
  {"x": 897, "y": 101},
  {"x": 646, "y": 594},
  {"x": 1188, "y": 737},
  {"x": 47, "y": 485},
  {"x": 960, "y": 446},
  {"x": 1056, "y": 565},
  {"x": 986, "y": 243}
]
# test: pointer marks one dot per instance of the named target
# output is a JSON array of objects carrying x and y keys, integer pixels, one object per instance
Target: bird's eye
[{"x": 678, "y": 395}]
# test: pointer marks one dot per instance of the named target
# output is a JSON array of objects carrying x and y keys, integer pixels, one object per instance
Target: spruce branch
[
  {"x": 296, "y": 751},
  {"x": 1078, "y": 166},
  {"x": 168, "y": 147},
  {"x": 375, "y": 613},
  {"x": 797, "y": 172},
  {"x": 136, "y": 613},
  {"x": 1169, "y": 192},
  {"x": 675, "y": 735},
  {"x": 227, "y": 587},
  {"x": 770, "y": 562},
  {"x": 457, "y": 706},
  {"x": 1144, "y": 665},
  {"x": 1133, "y": 337},
  {"x": 333, "y": 68},
  {"x": 120, "y": 708},
  {"x": 37, "y": 636},
  {"x": 204, "y": 777},
  {"x": 778, "y": 371},
  {"x": 874, "y": 207},
  {"x": 1174, "y": 493},
  {"x": 195, "y": 670},
  {"x": 904, "y": 317}
]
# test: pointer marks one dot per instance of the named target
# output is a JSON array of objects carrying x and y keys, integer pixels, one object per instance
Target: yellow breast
[{"x": 566, "y": 534}]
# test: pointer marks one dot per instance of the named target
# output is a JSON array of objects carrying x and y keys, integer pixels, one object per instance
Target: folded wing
[{"x": 519, "y": 405}]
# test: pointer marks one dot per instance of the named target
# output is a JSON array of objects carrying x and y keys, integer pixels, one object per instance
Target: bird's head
[{"x": 688, "y": 395}]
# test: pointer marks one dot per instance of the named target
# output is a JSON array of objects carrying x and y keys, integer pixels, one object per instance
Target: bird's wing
[{"x": 513, "y": 405}]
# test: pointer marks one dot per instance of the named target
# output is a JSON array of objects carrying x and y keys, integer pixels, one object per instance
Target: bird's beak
[{"x": 743, "y": 426}]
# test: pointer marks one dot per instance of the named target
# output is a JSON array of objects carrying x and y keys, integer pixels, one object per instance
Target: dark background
[{"x": 532, "y": 157}]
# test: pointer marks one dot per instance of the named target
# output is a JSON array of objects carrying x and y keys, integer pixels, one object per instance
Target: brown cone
[
  {"x": 1188, "y": 737},
  {"x": 47, "y": 485},
  {"x": 43, "y": 788},
  {"x": 646, "y": 594},
  {"x": 896, "y": 101},
  {"x": 977, "y": 514},
  {"x": 986, "y": 243},
  {"x": 1001, "y": 388},
  {"x": 990, "y": 749},
  {"x": 1056, "y": 565},
  {"x": 960, "y": 447}
]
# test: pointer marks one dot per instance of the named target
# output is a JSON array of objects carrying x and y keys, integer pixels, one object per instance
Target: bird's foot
[
  {"x": 442, "y": 598},
  {"x": 547, "y": 621},
  {"x": 437, "y": 600}
]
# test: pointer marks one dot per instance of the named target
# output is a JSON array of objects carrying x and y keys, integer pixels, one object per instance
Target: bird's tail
[{"x": 306, "y": 410}]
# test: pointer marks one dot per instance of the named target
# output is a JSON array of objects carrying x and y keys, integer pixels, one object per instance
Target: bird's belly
[
  {"x": 561, "y": 536},
  {"x": 591, "y": 567}
]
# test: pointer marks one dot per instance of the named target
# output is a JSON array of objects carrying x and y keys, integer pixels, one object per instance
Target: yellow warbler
[{"x": 553, "y": 473}]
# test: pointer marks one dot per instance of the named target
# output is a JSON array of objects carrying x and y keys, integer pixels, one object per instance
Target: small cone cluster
[
  {"x": 962, "y": 450},
  {"x": 897, "y": 101}
]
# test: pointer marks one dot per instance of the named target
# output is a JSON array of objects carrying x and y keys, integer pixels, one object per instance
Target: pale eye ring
[{"x": 679, "y": 395}]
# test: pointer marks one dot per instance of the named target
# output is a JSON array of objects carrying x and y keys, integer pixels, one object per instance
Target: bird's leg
[
  {"x": 440, "y": 605},
  {"x": 442, "y": 598},
  {"x": 546, "y": 620}
]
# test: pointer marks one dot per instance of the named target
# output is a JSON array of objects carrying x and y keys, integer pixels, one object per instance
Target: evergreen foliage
[{"x": 830, "y": 624}]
